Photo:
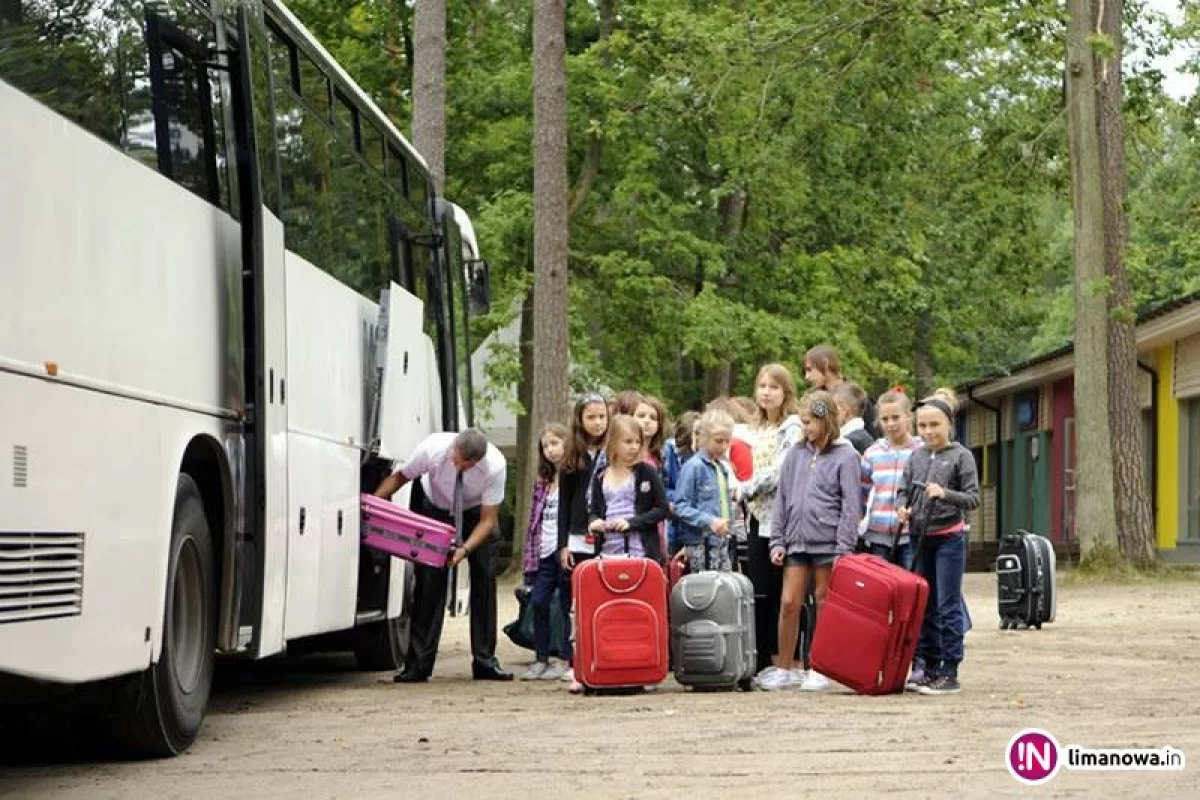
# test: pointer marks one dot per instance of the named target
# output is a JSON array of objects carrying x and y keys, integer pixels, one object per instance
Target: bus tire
[
  {"x": 160, "y": 710},
  {"x": 382, "y": 646}
]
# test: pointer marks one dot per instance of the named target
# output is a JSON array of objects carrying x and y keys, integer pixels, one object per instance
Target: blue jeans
[
  {"x": 903, "y": 551},
  {"x": 550, "y": 576},
  {"x": 942, "y": 563}
]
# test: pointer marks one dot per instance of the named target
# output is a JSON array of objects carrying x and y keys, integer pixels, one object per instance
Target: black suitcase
[{"x": 1026, "y": 574}]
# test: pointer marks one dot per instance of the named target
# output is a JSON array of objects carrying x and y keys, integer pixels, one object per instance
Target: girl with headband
[{"x": 941, "y": 484}]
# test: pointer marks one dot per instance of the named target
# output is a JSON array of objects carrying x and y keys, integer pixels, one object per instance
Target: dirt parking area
[{"x": 1120, "y": 668}]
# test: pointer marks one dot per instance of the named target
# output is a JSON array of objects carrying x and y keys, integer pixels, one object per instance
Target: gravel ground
[{"x": 1119, "y": 668}]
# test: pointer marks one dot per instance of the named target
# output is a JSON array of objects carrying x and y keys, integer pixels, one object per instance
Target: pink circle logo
[{"x": 1032, "y": 756}]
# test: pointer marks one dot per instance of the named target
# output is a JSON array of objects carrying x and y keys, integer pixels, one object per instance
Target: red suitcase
[
  {"x": 867, "y": 632},
  {"x": 675, "y": 571},
  {"x": 621, "y": 623}
]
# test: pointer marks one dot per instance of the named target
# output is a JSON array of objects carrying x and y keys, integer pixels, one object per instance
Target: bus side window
[
  {"x": 189, "y": 136},
  {"x": 261, "y": 54},
  {"x": 335, "y": 207},
  {"x": 396, "y": 171},
  {"x": 418, "y": 196},
  {"x": 93, "y": 65},
  {"x": 401, "y": 253}
]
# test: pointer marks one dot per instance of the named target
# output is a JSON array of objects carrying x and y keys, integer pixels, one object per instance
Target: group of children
[{"x": 776, "y": 486}]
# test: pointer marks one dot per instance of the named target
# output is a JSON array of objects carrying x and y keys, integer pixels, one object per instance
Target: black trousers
[
  {"x": 429, "y": 595},
  {"x": 768, "y": 592}
]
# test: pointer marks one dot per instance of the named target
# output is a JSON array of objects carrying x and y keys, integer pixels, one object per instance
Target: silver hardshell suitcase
[{"x": 712, "y": 631}]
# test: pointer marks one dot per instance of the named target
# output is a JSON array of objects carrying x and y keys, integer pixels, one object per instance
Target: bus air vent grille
[
  {"x": 41, "y": 575},
  {"x": 20, "y": 466}
]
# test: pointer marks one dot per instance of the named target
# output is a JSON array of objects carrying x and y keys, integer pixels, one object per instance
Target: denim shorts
[{"x": 810, "y": 560}]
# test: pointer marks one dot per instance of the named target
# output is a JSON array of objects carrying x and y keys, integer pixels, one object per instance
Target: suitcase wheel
[
  {"x": 746, "y": 684},
  {"x": 1038, "y": 626}
]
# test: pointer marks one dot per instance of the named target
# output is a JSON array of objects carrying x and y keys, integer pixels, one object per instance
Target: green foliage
[{"x": 752, "y": 179}]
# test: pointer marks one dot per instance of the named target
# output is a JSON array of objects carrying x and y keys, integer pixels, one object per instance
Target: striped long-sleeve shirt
[{"x": 882, "y": 469}]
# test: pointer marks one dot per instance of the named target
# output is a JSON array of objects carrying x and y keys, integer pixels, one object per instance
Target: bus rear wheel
[{"x": 160, "y": 710}]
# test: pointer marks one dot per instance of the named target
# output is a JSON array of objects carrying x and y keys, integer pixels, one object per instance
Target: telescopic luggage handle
[{"x": 918, "y": 489}]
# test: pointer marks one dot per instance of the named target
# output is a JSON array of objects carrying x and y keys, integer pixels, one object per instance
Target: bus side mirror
[{"x": 479, "y": 287}]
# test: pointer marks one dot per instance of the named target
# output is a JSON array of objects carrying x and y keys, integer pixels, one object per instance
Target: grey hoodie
[
  {"x": 952, "y": 468},
  {"x": 819, "y": 502}
]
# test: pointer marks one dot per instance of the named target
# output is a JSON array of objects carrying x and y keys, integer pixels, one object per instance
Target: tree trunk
[
  {"x": 525, "y": 467},
  {"x": 923, "y": 361},
  {"x": 429, "y": 87},
  {"x": 1134, "y": 514},
  {"x": 550, "y": 218},
  {"x": 718, "y": 381},
  {"x": 1096, "y": 516},
  {"x": 591, "y": 161},
  {"x": 731, "y": 220}
]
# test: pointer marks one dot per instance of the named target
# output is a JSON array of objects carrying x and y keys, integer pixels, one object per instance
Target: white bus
[{"x": 197, "y": 208}]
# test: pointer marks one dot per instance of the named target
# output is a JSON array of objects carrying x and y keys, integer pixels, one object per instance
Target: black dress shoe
[
  {"x": 492, "y": 673},
  {"x": 410, "y": 676}
]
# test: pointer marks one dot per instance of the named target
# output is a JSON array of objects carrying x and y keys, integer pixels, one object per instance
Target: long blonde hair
[{"x": 780, "y": 375}]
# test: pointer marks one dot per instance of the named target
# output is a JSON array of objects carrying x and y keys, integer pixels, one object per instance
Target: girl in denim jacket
[{"x": 704, "y": 498}]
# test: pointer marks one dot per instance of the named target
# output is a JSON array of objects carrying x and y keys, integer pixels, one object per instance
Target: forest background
[{"x": 752, "y": 178}]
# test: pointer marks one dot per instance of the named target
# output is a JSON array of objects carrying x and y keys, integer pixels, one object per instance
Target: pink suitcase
[
  {"x": 868, "y": 629},
  {"x": 405, "y": 534}
]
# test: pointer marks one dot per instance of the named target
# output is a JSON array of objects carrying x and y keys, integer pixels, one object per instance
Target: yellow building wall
[{"x": 1167, "y": 522}]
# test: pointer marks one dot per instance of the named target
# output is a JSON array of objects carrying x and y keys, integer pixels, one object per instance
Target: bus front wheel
[
  {"x": 383, "y": 646},
  {"x": 161, "y": 709}
]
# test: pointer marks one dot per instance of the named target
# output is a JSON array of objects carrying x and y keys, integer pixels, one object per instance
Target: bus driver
[{"x": 467, "y": 468}]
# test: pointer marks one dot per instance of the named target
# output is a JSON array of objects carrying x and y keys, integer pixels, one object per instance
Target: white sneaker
[
  {"x": 553, "y": 672},
  {"x": 568, "y": 676},
  {"x": 814, "y": 682},
  {"x": 779, "y": 680},
  {"x": 765, "y": 674},
  {"x": 535, "y": 672}
]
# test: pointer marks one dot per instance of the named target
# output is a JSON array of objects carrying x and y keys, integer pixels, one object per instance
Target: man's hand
[
  {"x": 457, "y": 555},
  {"x": 719, "y": 526}
]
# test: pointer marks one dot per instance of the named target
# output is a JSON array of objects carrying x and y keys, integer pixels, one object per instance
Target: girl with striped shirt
[{"x": 882, "y": 468}]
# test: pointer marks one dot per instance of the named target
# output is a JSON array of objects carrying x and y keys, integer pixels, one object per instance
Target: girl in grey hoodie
[{"x": 815, "y": 520}]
